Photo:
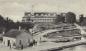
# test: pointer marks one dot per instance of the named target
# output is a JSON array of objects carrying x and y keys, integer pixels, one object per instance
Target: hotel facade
[{"x": 39, "y": 17}]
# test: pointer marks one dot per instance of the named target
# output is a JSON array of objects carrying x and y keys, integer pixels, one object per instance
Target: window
[{"x": 20, "y": 42}]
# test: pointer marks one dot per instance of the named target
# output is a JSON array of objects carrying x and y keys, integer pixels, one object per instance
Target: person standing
[
  {"x": 10, "y": 45},
  {"x": 21, "y": 46}
]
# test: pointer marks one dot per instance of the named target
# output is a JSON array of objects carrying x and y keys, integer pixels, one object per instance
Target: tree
[
  {"x": 25, "y": 25},
  {"x": 59, "y": 19},
  {"x": 81, "y": 18},
  {"x": 70, "y": 17},
  {"x": 1, "y": 21}
]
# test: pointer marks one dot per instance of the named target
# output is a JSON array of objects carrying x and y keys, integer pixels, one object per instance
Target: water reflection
[{"x": 77, "y": 48}]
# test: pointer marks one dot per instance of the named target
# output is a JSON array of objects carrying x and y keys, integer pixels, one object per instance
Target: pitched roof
[{"x": 13, "y": 33}]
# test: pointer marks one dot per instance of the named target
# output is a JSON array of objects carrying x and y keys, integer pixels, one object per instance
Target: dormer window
[
  {"x": 48, "y": 14},
  {"x": 42, "y": 14},
  {"x": 37, "y": 14},
  {"x": 29, "y": 14},
  {"x": 54, "y": 14}
]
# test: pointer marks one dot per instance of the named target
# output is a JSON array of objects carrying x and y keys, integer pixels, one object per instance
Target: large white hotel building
[{"x": 39, "y": 17}]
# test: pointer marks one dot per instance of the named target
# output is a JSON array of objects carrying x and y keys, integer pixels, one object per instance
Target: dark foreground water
[{"x": 76, "y": 48}]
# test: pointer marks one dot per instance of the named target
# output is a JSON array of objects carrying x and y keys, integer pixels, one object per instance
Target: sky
[{"x": 15, "y": 9}]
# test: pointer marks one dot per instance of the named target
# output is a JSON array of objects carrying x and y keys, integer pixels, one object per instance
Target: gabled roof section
[{"x": 14, "y": 33}]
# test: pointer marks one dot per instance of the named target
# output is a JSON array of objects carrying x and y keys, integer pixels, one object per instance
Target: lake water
[{"x": 77, "y": 48}]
